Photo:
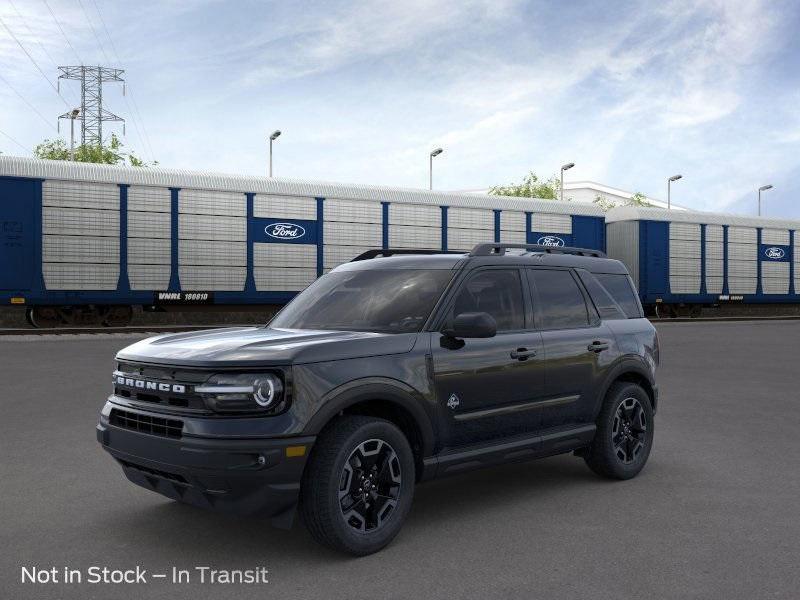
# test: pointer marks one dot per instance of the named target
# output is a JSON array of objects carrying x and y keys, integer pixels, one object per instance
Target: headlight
[{"x": 242, "y": 392}]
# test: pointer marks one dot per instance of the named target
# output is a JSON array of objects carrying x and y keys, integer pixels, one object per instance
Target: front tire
[
  {"x": 624, "y": 434},
  {"x": 358, "y": 486}
]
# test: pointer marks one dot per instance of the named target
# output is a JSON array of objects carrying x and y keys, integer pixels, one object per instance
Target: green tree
[
  {"x": 110, "y": 154},
  {"x": 606, "y": 203},
  {"x": 530, "y": 187}
]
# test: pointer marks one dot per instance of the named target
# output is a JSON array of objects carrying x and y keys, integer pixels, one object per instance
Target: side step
[{"x": 451, "y": 462}]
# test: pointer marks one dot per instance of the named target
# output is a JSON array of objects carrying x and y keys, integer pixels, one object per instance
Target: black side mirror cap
[{"x": 472, "y": 325}]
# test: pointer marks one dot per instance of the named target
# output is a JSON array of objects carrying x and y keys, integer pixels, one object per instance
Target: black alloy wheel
[{"x": 629, "y": 432}]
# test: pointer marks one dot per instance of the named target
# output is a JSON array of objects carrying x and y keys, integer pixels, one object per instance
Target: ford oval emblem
[
  {"x": 774, "y": 253},
  {"x": 285, "y": 231},
  {"x": 550, "y": 240}
]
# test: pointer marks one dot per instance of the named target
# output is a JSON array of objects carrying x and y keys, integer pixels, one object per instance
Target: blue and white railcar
[
  {"x": 683, "y": 260},
  {"x": 86, "y": 240}
]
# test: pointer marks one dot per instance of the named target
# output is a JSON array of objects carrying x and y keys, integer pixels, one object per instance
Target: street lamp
[
  {"x": 275, "y": 135},
  {"x": 763, "y": 188},
  {"x": 565, "y": 167},
  {"x": 436, "y": 152},
  {"x": 72, "y": 116},
  {"x": 669, "y": 183}
]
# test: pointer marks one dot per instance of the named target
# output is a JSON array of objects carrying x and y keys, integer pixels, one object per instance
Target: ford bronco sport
[{"x": 394, "y": 368}]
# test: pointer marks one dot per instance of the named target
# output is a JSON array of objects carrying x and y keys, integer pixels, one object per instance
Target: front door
[
  {"x": 486, "y": 387},
  {"x": 578, "y": 347},
  {"x": 17, "y": 205}
]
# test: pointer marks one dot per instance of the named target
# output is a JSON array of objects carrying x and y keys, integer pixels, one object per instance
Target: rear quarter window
[{"x": 620, "y": 288}]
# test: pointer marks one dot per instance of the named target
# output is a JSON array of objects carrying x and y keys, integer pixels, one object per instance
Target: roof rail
[
  {"x": 499, "y": 249},
  {"x": 369, "y": 254}
]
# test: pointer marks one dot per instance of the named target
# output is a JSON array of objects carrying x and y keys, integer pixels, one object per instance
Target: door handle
[
  {"x": 522, "y": 354},
  {"x": 597, "y": 346}
]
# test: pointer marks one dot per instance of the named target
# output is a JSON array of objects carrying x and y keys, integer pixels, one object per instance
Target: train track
[{"x": 146, "y": 329}]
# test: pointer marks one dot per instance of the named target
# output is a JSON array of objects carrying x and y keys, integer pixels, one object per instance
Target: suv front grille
[
  {"x": 157, "y": 385},
  {"x": 169, "y": 428}
]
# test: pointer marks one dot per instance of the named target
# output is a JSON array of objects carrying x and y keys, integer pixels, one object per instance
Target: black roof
[{"x": 522, "y": 255}]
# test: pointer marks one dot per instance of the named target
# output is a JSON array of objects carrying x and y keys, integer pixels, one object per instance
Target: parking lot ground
[{"x": 713, "y": 515}]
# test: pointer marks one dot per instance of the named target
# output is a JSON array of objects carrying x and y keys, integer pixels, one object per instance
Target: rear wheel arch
[{"x": 629, "y": 371}]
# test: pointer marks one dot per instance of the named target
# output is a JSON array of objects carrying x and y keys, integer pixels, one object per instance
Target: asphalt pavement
[{"x": 713, "y": 515}]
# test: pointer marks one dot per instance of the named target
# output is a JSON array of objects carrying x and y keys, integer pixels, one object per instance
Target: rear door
[
  {"x": 17, "y": 240},
  {"x": 579, "y": 348},
  {"x": 487, "y": 388}
]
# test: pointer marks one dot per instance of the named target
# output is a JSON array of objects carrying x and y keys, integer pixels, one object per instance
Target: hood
[{"x": 256, "y": 346}]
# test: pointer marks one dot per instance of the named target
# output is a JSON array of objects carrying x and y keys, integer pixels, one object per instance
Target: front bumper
[{"x": 243, "y": 476}]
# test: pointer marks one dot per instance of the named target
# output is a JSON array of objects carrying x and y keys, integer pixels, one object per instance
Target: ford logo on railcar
[
  {"x": 550, "y": 240},
  {"x": 285, "y": 231},
  {"x": 775, "y": 253}
]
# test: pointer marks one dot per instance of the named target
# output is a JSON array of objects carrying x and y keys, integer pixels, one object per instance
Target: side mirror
[{"x": 472, "y": 325}]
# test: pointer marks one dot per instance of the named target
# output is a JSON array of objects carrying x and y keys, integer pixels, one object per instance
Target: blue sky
[{"x": 632, "y": 92}]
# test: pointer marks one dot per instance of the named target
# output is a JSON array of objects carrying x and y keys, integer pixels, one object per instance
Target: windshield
[{"x": 388, "y": 301}]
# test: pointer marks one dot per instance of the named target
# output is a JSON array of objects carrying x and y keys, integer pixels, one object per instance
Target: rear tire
[
  {"x": 624, "y": 434},
  {"x": 358, "y": 486}
]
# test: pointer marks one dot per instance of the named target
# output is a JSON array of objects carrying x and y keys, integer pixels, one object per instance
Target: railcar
[
  {"x": 85, "y": 243},
  {"x": 682, "y": 261}
]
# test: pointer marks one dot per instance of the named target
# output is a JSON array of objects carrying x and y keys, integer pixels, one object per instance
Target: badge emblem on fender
[{"x": 453, "y": 401}]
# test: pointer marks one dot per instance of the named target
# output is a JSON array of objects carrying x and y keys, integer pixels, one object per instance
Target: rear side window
[
  {"x": 621, "y": 289},
  {"x": 559, "y": 301},
  {"x": 606, "y": 306}
]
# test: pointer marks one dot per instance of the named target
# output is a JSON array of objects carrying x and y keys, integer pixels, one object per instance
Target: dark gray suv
[{"x": 397, "y": 367}]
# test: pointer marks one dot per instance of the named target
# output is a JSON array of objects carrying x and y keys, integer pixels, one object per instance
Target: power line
[
  {"x": 33, "y": 36},
  {"x": 134, "y": 113},
  {"x": 66, "y": 39},
  {"x": 15, "y": 141},
  {"x": 32, "y": 107},
  {"x": 96, "y": 37},
  {"x": 35, "y": 64}
]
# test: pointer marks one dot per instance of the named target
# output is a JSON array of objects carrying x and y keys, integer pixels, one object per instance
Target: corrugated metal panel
[
  {"x": 208, "y": 227},
  {"x": 79, "y": 194},
  {"x": 352, "y": 211},
  {"x": 684, "y": 248},
  {"x": 147, "y": 251},
  {"x": 714, "y": 285},
  {"x": 415, "y": 214},
  {"x": 622, "y": 243},
  {"x": 149, "y": 199},
  {"x": 160, "y": 177},
  {"x": 149, "y": 277},
  {"x": 685, "y": 284},
  {"x": 283, "y": 280},
  {"x": 715, "y": 250},
  {"x": 149, "y": 225},
  {"x": 353, "y": 234},
  {"x": 633, "y": 213},
  {"x": 775, "y": 236},
  {"x": 742, "y": 235},
  {"x": 742, "y": 268},
  {"x": 466, "y": 239},
  {"x": 513, "y": 237},
  {"x": 407, "y": 236},
  {"x": 194, "y": 278},
  {"x": 205, "y": 202},
  {"x": 80, "y": 276},
  {"x": 204, "y": 252},
  {"x": 684, "y": 231},
  {"x": 715, "y": 233},
  {"x": 73, "y": 248},
  {"x": 775, "y": 277},
  {"x": 741, "y": 285},
  {"x": 334, "y": 256},
  {"x": 284, "y": 255},
  {"x": 715, "y": 267},
  {"x": 470, "y": 218},
  {"x": 284, "y": 207},
  {"x": 77, "y": 221},
  {"x": 512, "y": 220},
  {"x": 551, "y": 223},
  {"x": 743, "y": 252}
]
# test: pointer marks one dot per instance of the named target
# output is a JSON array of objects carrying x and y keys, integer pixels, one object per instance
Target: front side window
[
  {"x": 383, "y": 301},
  {"x": 561, "y": 304},
  {"x": 497, "y": 292}
]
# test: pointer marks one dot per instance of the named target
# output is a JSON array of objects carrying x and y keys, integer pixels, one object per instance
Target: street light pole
[
  {"x": 72, "y": 115},
  {"x": 669, "y": 182},
  {"x": 272, "y": 138},
  {"x": 565, "y": 167},
  {"x": 763, "y": 188},
  {"x": 435, "y": 152}
]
